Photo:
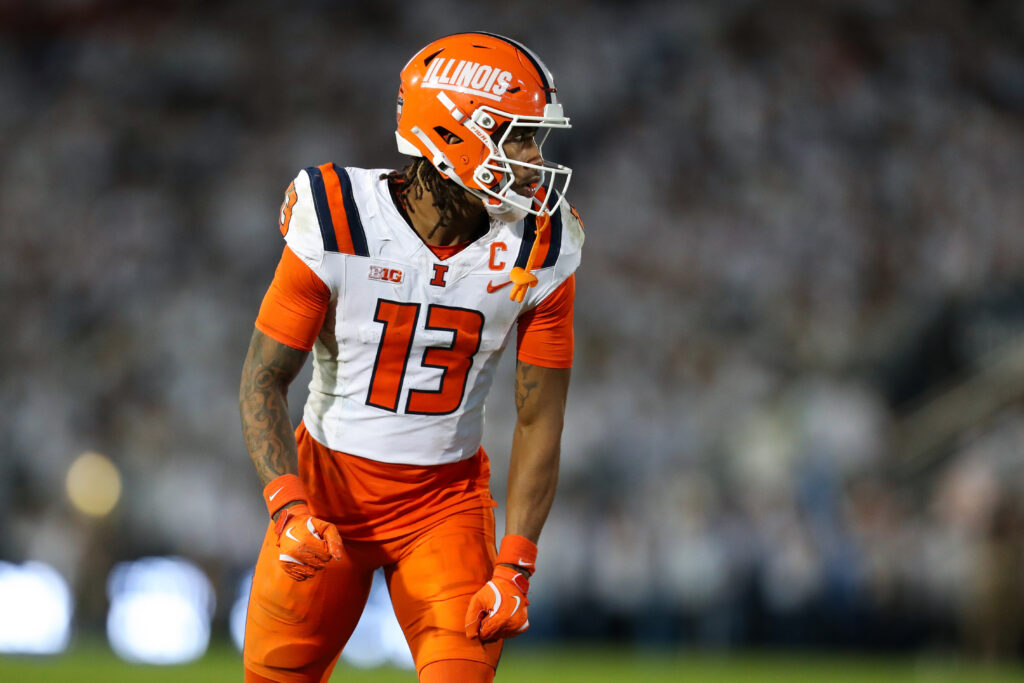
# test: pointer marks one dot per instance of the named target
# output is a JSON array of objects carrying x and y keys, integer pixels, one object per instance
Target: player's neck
[{"x": 464, "y": 226}]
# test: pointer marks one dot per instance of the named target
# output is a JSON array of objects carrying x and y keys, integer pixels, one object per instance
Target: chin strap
[
  {"x": 522, "y": 279},
  {"x": 511, "y": 209}
]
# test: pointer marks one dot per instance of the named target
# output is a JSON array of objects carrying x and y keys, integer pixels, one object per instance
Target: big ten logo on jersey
[
  {"x": 468, "y": 77},
  {"x": 385, "y": 274}
]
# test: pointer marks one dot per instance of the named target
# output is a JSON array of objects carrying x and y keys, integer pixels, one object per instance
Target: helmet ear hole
[
  {"x": 497, "y": 134},
  {"x": 446, "y": 135}
]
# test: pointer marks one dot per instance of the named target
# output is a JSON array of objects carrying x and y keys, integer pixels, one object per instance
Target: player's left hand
[
  {"x": 307, "y": 544},
  {"x": 498, "y": 610}
]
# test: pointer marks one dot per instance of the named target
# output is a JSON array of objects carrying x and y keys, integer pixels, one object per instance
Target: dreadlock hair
[{"x": 448, "y": 198}]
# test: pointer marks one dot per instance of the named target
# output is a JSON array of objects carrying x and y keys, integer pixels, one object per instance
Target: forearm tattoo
[
  {"x": 526, "y": 383},
  {"x": 263, "y": 401}
]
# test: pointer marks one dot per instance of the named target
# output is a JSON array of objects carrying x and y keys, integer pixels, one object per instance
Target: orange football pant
[{"x": 296, "y": 630}]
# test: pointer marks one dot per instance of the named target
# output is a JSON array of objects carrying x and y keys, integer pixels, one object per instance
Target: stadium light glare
[
  {"x": 378, "y": 638},
  {"x": 93, "y": 484},
  {"x": 160, "y": 610},
  {"x": 236, "y": 620},
  {"x": 35, "y": 609}
]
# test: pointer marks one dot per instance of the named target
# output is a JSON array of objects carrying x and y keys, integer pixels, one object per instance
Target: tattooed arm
[
  {"x": 263, "y": 401},
  {"x": 533, "y": 470}
]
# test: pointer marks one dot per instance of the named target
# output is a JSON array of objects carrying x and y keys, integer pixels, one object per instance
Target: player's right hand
[
  {"x": 498, "y": 610},
  {"x": 307, "y": 544}
]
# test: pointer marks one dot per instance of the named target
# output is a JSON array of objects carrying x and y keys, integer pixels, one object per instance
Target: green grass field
[{"x": 94, "y": 663}]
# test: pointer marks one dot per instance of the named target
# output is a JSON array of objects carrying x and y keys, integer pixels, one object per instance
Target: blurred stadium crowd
[{"x": 797, "y": 412}]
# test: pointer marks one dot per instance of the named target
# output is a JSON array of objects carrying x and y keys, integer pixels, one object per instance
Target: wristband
[
  {"x": 283, "y": 490},
  {"x": 519, "y": 551}
]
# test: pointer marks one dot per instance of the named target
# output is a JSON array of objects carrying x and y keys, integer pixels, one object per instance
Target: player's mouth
[{"x": 528, "y": 188}]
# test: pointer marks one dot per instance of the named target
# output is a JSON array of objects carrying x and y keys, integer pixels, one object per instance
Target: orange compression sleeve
[
  {"x": 295, "y": 305},
  {"x": 545, "y": 332}
]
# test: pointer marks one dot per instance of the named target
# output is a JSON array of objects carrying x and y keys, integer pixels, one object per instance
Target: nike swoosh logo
[
  {"x": 524, "y": 563},
  {"x": 492, "y": 288},
  {"x": 497, "y": 598},
  {"x": 276, "y": 492},
  {"x": 312, "y": 529},
  {"x": 516, "y": 608},
  {"x": 288, "y": 533}
]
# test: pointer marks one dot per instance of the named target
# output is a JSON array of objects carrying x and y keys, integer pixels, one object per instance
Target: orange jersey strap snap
[
  {"x": 541, "y": 243},
  {"x": 295, "y": 304},
  {"x": 336, "y": 211},
  {"x": 545, "y": 333},
  {"x": 283, "y": 490}
]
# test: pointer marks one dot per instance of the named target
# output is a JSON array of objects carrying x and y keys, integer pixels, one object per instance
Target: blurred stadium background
[{"x": 797, "y": 413}]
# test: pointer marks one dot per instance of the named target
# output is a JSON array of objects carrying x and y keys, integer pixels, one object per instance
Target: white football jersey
[{"x": 410, "y": 343}]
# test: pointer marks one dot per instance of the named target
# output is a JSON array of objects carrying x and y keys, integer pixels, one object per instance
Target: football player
[{"x": 407, "y": 286}]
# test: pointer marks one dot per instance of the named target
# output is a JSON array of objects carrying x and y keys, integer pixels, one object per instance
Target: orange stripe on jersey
[
  {"x": 539, "y": 248},
  {"x": 577, "y": 214},
  {"x": 545, "y": 333},
  {"x": 295, "y": 304},
  {"x": 534, "y": 251},
  {"x": 335, "y": 200},
  {"x": 543, "y": 244}
]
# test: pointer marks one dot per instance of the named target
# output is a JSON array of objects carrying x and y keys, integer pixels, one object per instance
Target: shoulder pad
[
  {"x": 561, "y": 255},
  {"x": 324, "y": 217},
  {"x": 563, "y": 237},
  {"x": 299, "y": 222},
  {"x": 572, "y": 232}
]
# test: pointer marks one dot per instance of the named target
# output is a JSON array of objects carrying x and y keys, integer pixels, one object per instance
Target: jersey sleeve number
[
  {"x": 454, "y": 361},
  {"x": 290, "y": 197}
]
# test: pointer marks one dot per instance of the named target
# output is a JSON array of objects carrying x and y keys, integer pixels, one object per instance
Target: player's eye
[{"x": 523, "y": 135}]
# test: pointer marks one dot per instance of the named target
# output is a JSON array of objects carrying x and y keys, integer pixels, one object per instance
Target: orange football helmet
[{"x": 461, "y": 98}]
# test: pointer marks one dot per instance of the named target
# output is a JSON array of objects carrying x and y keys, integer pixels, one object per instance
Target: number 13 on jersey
[{"x": 396, "y": 342}]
